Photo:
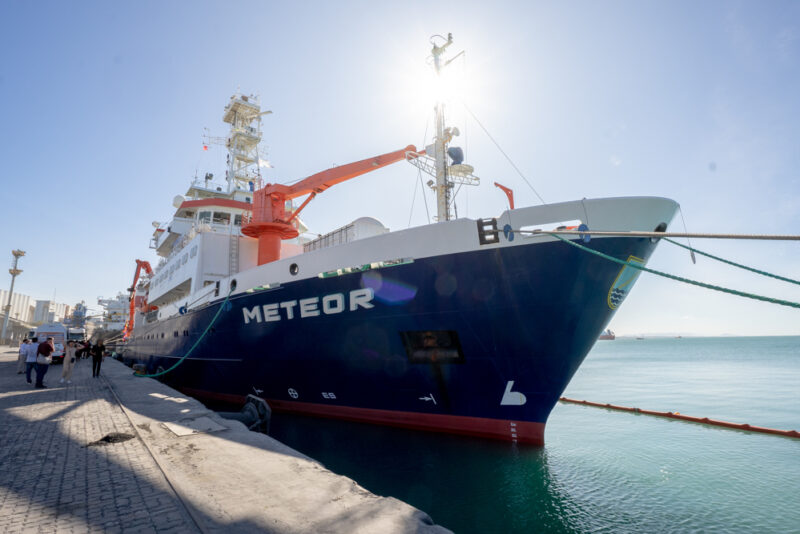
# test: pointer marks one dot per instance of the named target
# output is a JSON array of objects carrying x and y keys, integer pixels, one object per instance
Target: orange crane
[
  {"x": 140, "y": 264},
  {"x": 270, "y": 223}
]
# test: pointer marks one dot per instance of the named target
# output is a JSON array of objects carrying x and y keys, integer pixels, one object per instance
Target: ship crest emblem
[{"x": 624, "y": 283}]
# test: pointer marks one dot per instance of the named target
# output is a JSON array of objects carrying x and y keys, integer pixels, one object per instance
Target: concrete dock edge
[{"x": 228, "y": 478}]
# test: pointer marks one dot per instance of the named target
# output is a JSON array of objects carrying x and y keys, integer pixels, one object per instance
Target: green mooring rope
[
  {"x": 723, "y": 260},
  {"x": 214, "y": 320},
  {"x": 678, "y": 278}
]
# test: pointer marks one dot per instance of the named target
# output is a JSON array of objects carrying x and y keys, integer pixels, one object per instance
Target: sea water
[{"x": 601, "y": 470}]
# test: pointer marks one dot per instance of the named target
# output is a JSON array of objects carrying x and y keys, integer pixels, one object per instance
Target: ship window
[
  {"x": 175, "y": 333},
  {"x": 233, "y": 285},
  {"x": 221, "y": 218},
  {"x": 237, "y": 220},
  {"x": 185, "y": 259},
  {"x": 162, "y": 335},
  {"x": 205, "y": 217},
  {"x": 193, "y": 252},
  {"x": 294, "y": 269},
  {"x": 432, "y": 346}
]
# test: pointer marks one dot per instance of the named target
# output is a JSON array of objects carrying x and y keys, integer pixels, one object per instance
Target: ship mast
[
  {"x": 435, "y": 159},
  {"x": 244, "y": 114},
  {"x": 443, "y": 185}
]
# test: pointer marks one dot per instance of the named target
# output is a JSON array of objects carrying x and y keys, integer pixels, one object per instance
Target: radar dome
[{"x": 178, "y": 200}]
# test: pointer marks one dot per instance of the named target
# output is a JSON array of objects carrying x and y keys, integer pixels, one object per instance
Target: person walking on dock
[
  {"x": 98, "y": 352},
  {"x": 43, "y": 360},
  {"x": 23, "y": 355},
  {"x": 30, "y": 357},
  {"x": 69, "y": 363}
]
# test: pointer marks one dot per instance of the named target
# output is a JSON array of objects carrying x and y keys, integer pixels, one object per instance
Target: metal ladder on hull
[{"x": 233, "y": 254}]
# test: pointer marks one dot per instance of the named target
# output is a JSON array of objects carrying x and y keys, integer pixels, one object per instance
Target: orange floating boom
[{"x": 701, "y": 420}]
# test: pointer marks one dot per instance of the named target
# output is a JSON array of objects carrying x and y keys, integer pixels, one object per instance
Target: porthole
[
  {"x": 233, "y": 285},
  {"x": 294, "y": 269}
]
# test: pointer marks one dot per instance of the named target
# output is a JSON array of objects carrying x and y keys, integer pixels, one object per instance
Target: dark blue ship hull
[{"x": 481, "y": 343}]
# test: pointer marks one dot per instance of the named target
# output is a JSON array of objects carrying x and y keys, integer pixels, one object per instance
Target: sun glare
[{"x": 417, "y": 88}]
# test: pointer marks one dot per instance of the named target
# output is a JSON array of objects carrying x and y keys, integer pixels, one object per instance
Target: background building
[
  {"x": 48, "y": 311},
  {"x": 22, "y": 306}
]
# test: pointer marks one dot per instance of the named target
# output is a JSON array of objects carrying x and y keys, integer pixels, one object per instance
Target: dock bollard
[{"x": 255, "y": 414}]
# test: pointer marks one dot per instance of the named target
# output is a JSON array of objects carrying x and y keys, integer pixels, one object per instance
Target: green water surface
[{"x": 605, "y": 471}]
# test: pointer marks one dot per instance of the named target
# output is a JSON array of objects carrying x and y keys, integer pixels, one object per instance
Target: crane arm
[
  {"x": 268, "y": 202},
  {"x": 140, "y": 264},
  {"x": 270, "y": 222},
  {"x": 317, "y": 183}
]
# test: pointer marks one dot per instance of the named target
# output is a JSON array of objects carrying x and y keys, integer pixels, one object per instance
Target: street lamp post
[{"x": 14, "y": 272}]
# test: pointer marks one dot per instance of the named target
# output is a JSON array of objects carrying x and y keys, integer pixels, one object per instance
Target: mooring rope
[
  {"x": 203, "y": 335},
  {"x": 660, "y": 235},
  {"x": 723, "y": 260},
  {"x": 676, "y": 278}
]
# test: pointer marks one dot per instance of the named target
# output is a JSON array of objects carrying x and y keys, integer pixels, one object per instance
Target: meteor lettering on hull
[{"x": 310, "y": 307}]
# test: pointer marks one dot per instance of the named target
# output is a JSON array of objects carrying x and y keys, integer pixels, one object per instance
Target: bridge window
[
  {"x": 221, "y": 218},
  {"x": 205, "y": 217}
]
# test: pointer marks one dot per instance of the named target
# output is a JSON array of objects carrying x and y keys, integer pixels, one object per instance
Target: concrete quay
[{"x": 183, "y": 470}]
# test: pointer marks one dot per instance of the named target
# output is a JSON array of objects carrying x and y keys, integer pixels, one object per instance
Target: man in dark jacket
[
  {"x": 43, "y": 360},
  {"x": 98, "y": 352}
]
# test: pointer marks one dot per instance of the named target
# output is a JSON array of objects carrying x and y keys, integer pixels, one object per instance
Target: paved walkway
[
  {"x": 166, "y": 478},
  {"x": 51, "y": 481}
]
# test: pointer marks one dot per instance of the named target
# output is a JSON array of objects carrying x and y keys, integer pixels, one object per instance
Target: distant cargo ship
[{"x": 607, "y": 334}]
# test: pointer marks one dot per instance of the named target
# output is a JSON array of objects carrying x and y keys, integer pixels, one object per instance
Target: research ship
[{"x": 464, "y": 326}]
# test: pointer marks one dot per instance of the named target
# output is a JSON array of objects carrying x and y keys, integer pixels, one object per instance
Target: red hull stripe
[{"x": 502, "y": 429}]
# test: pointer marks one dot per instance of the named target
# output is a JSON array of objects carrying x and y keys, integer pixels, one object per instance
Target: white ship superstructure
[
  {"x": 203, "y": 243},
  {"x": 115, "y": 313}
]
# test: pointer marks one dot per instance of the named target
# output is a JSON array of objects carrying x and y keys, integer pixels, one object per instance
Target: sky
[{"x": 104, "y": 105}]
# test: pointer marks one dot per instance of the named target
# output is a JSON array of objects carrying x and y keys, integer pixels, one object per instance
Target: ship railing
[
  {"x": 337, "y": 237},
  {"x": 206, "y": 294},
  {"x": 216, "y": 187}
]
